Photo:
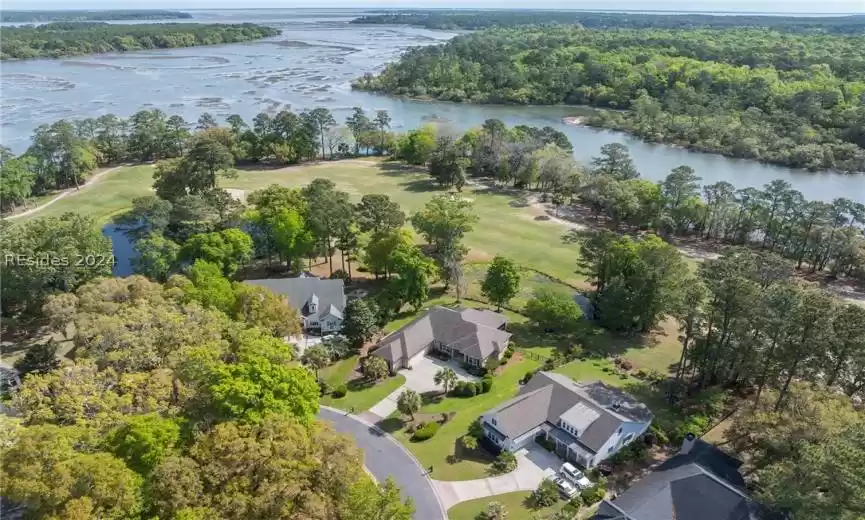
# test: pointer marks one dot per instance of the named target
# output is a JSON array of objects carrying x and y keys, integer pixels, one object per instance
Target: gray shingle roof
[
  {"x": 704, "y": 484},
  {"x": 468, "y": 332},
  {"x": 686, "y": 492},
  {"x": 548, "y": 396},
  {"x": 328, "y": 294}
]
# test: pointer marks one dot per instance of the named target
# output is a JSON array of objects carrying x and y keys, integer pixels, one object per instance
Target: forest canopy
[
  {"x": 90, "y": 16},
  {"x": 464, "y": 19},
  {"x": 54, "y": 40},
  {"x": 792, "y": 99}
]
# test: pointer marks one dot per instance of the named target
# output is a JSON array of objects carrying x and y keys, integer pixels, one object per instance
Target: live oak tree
[
  {"x": 48, "y": 255},
  {"x": 414, "y": 270},
  {"x": 551, "y": 308},
  {"x": 502, "y": 281},
  {"x": 377, "y": 213},
  {"x": 229, "y": 249},
  {"x": 261, "y": 307},
  {"x": 444, "y": 221},
  {"x": 156, "y": 257},
  {"x": 315, "y": 357},
  {"x": 374, "y": 368}
]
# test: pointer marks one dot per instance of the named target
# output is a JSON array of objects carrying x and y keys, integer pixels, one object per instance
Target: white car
[
  {"x": 575, "y": 476},
  {"x": 566, "y": 488}
]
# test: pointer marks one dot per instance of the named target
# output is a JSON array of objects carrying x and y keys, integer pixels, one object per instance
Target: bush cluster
[
  {"x": 339, "y": 391},
  {"x": 425, "y": 431}
]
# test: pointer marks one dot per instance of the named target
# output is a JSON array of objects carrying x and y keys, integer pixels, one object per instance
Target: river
[{"x": 312, "y": 64}]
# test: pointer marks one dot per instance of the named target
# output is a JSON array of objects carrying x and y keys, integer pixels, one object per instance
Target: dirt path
[{"x": 65, "y": 193}]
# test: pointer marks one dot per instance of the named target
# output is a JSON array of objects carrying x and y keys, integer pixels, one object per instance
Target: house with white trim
[
  {"x": 321, "y": 303},
  {"x": 587, "y": 422}
]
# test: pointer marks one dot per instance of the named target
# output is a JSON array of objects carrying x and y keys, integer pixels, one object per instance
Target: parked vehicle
[
  {"x": 575, "y": 476},
  {"x": 566, "y": 488}
]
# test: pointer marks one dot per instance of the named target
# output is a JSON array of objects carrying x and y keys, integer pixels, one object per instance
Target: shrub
[
  {"x": 445, "y": 417},
  {"x": 528, "y": 377},
  {"x": 465, "y": 389},
  {"x": 509, "y": 353},
  {"x": 492, "y": 365},
  {"x": 504, "y": 361},
  {"x": 504, "y": 463},
  {"x": 426, "y": 431},
  {"x": 660, "y": 435},
  {"x": 479, "y": 387},
  {"x": 593, "y": 494},
  {"x": 493, "y": 511},
  {"x": 323, "y": 387},
  {"x": 340, "y": 391},
  {"x": 339, "y": 274},
  {"x": 626, "y": 365},
  {"x": 546, "y": 494},
  {"x": 486, "y": 383},
  {"x": 696, "y": 424}
]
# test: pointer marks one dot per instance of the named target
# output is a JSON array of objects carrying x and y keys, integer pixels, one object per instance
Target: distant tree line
[
  {"x": 791, "y": 99},
  {"x": 59, "y": 39},
  {"x": 89, "y": 16},
  {"x": 474, "y": 20},
  {"x": 63, "y": 154}
]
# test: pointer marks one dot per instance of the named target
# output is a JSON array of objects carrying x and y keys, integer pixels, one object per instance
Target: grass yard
[
  {"x": 530, "y": 281},
  {"x": 109, "y": 196},
  {"x": 502, "y": 228},
  {"x": 515, "y": 504},
  {"x": 440, "y": 452},
  {"x": 360, "y": 398}
]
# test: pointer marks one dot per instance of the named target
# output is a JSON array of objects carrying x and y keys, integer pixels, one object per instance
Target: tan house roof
[{"x": 472, "y": 332}]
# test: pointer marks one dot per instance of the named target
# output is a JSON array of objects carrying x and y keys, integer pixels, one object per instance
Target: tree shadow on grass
[
  {"x": 356, "y": 385},
  {"x": 432, "y": 397},
  {"x": 395, "y": 169},
  {"x": 460, "y": 454},
  {"x": 422, "y": 186},
  {"x": 391, "y": 424}
]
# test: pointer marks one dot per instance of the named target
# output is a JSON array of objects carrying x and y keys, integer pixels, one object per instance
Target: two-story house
[
  {"x": 469, "y": 336},
  {"x": 321, "y": 303},
  {"x": 587, "y": 422}
]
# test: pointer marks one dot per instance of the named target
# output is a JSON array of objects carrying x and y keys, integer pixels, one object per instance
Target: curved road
[{"x": 384, "y": 457}]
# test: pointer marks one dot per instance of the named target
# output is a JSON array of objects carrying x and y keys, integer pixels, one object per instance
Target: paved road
[{"x": 384, "y": 457}]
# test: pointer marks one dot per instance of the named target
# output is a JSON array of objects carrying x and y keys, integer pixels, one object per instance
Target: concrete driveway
[
  {"x": 419, "y": 378},
  {"x": 533, "y": 465}
]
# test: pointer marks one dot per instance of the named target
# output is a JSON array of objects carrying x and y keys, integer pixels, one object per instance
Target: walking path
[
  {"x": 385, "y": 457},
  {"x": 65, "y": 193},
  {"x": 532, "y": 467}
]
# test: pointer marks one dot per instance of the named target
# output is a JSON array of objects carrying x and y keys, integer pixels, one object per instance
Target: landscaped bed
[
  {"x": 448, "y": 460},
  {"x": 515, "y": 504},
  {"x": 361, "y": 395}
]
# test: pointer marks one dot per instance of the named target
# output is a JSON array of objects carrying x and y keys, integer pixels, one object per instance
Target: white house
[
  {"x": 321, "y": 303},
  {"x": 588, "y": 422}
]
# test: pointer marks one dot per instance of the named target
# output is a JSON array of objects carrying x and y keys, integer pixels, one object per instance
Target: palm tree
[{"x": 447, "y": 378}]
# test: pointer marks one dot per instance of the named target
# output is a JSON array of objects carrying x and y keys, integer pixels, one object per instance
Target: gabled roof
[
  {"x": 703, "y": 484},
  {"x": 329, "y": 295},
  {"x": 470, "y": 333},
  {"x": 685, "y": 492},
  {"x": 595, "y": 408}
]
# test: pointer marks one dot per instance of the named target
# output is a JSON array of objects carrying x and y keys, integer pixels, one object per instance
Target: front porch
[{"x": 447, "y": 353}]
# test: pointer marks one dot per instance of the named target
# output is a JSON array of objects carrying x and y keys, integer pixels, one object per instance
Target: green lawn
[
  {"x": 439, "y": 452},
  {"x": 530, "y": 281},
  {"x": 515, "y": 504},
  {"x": 110, "y": 195},
  {"x": 502, "y": 228},
  {"x": 359, "y": 398}
]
